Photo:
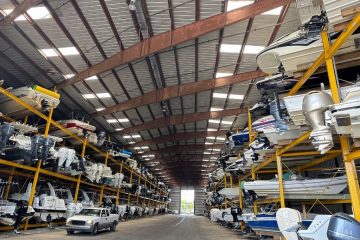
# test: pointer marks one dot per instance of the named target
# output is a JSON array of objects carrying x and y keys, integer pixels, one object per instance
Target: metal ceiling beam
[
  {"x": 178, "y": 137},
  {"x": 175, "y": 37},
  {"x": 167, "y": 93},
  {"x": 18, "y": 10},
  {"x": 184, "y": 148},
  {"x": 180, "y": 119}
]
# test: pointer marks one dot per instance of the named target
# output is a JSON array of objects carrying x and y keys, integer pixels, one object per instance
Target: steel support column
[
  {"x": 350, "y": 167},
  {"x": 280, "y": 179}
]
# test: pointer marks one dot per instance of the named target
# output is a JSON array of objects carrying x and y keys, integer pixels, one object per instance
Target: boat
[
  {"x": 296, "y": 51},
  {"x": 8, "y": 212},
  {"x": 78, "y": 128},
  {"x": 267, "y": 222},
  {"x": 263, "y": 123},
  {"x": 288, "y": 223},
  {"x": 236, "y": 141},
  {"x": 37, "y": 97},
  {"x": 74, "y": 208},
  {"x": 276, "y": 137},
  {"x": 230, "y": 193},
  {"x": 294, "y": 184},
  {"x": 47, "y": 203},
  {"x": 345, "y": 115},
  {"x": 68, "y": 162}
]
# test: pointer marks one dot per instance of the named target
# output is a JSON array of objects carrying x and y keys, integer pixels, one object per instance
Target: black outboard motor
[
  {"x": 343, "y": 227},
  {"x": 6, "y": 131}
]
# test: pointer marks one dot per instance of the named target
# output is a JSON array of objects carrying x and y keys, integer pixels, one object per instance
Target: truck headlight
[
  {"x": 89, "y": 222},
  {"x": 68, "y": 221}
]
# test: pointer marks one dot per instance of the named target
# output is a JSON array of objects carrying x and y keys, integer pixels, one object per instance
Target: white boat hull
[
  {"x": 294, "y": 132},
  {"x": 28, "y": 95},
  {"x": 324, "y": 186}
]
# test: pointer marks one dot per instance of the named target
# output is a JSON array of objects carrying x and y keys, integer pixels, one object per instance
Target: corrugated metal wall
[
  {"x": 175, "y": 196},
  {"x": 199, "y": 199}
]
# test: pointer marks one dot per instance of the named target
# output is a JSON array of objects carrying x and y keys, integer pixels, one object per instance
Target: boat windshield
[{"x": 90, "y": 212}]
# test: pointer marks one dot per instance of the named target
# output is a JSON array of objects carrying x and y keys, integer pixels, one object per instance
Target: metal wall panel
[{"x": 198, "y": 201}]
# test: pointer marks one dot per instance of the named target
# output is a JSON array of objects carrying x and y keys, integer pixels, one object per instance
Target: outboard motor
[
  {"x": 6, "y": 131},
  {"x": 36, "y": 141},
  {"x": 315, "y": 104},
  {"x": 343, "y": 227},
  {"x": 47, "y": 144},
  {"x": 278, "y": 111}
]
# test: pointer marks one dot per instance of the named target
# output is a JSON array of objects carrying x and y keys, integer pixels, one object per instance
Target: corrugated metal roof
[{"x": 184, "y": 13}]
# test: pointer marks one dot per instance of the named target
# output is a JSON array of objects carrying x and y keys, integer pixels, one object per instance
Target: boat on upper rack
[
  {"x": 295, "y": 184},
  {"x": 80, "y": 129},
  {"x": 37, "y": 97},
  {"x": 295, "y": 52}
]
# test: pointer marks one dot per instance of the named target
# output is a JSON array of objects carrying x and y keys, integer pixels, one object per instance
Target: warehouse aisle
[{"x": 170, "y": 227}]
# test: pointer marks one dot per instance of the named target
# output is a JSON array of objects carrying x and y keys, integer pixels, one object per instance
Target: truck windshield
[{"x": 90, "y": 212}]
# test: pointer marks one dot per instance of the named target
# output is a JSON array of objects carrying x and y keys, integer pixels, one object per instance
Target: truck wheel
[
  {"x": 113, "y": 227},
  {"x": 69, "y": 232},
  {"x": 95, "y": 230}
]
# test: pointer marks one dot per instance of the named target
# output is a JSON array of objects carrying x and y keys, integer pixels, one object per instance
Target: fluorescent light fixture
[
  {"x": 92, "y": 78},
  {"x": 232, "y": 5},
  {"x": 211, "y": 129},
  {"x": 136, "y": 136},
  {"x": 210, "y": 137},
  {"x": 89, "y": 96},
  {"x": 231, "y": 96},
  {"x": 136, "y": 147},
  {"x": 147, "y": 159},
  {"x": 203, "y": 170},
  {"x": 35, "y": 13},
  {"x": 127, "y": 137},
  {"x": 140, "y": 152},
  {"x": 216, "y": 150},
  {"x": 275, "y": 11},
  {"x": 66, "y": 51},
  {"x": 103, "y": 95},
  {"x": 236, "y": 48},
  {"x": 118, "y": 129},
  {"x": 207, "y": 152},
  {"x": 214, "y": 121},
  {"x": 145, "y": 147},
  {"x": 131, "y": 142},
  {"x": 206, "y": 160},
  {"x": 223, "y": 74},
  {"x": 99, "y": 109},
  {"x": 226, "y": 122},
  {"x": 213, "y": 109},
  {"x": 236, "y": 96},
  {"x": 220, "y": 95},
  {"x": 220, "y": 139},
  {"x": 122, "y": 120},
  {"x": 208, "y": 143},
  {"x": 67, "y": 76},
  {"x": 111, "y": 120}
]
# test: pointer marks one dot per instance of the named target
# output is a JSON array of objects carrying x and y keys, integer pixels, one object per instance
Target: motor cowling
[
  {"x": 343, "y": 227},
  {"x": 315, "y": 104}
]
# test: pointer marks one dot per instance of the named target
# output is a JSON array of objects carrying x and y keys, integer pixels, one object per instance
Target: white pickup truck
[{"x": 92, "y": 220}]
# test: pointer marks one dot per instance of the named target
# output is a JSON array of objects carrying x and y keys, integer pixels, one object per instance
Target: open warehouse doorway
[{"x": 187, "y": 202}]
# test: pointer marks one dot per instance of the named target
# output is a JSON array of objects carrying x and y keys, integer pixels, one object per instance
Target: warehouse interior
[{"x": 180, "y": 119}]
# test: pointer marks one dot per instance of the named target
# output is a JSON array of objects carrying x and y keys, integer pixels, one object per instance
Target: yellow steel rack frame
[
  {"x": 348, "y": 156},
  {"x": 38, "y": 170}
]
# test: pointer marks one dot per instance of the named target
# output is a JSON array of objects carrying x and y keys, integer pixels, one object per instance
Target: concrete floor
[{"x": 168, "y": 227}]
